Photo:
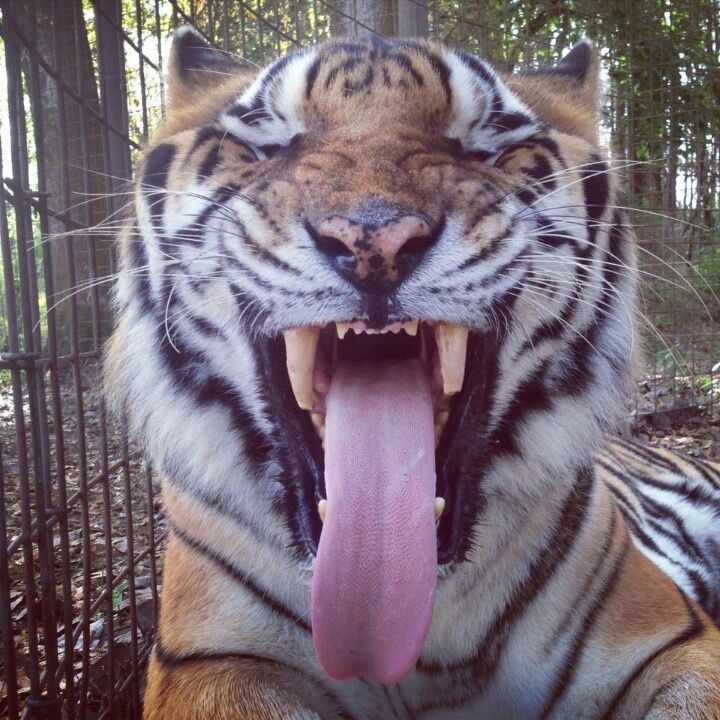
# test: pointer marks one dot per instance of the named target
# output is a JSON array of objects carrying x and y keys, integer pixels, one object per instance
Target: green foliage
[
  {"x": 118, "y": 594},
  {"x": 708, "y": 265}
]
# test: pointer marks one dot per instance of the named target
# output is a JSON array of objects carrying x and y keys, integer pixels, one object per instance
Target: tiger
[{"x": 376, "y": 332}]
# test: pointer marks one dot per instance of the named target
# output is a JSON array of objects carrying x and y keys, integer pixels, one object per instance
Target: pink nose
[{"x": 386, "y": 252}]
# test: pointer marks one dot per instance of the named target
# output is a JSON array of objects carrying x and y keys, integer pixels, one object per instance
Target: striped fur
[{"x": 582, "y": 576}]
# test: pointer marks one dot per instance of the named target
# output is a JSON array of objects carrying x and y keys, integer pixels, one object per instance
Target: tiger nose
[{"x": 376, "y": 256}]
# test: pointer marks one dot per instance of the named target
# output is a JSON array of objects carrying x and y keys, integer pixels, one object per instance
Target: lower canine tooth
[
  {"x": 439, "y": 507},
  {"x": 300, "y": 347},
  {"x": 452, "y": 347},
  {"x": 322, "y": 509},
  {"x": 318, "y": 421}
]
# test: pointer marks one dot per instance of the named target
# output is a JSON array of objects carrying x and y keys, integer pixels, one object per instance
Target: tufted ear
[
  {"x": 567, "y": 94},
  {"x": 196, "y": 68}
]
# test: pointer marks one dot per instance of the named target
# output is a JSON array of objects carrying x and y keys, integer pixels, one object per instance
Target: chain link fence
[{"x": 81, "y": 523}]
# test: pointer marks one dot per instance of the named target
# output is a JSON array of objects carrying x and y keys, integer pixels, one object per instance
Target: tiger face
[{"x": 362, "y": 292}]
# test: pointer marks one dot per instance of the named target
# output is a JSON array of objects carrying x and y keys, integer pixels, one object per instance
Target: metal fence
[{"x": 80, "y": 520}]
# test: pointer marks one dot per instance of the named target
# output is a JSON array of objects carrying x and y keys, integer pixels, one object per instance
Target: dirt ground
[{"x": 91, "y": 542}]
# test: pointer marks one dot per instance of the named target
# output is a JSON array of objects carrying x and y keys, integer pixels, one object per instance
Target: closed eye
[{"x": 266, "y": 152}]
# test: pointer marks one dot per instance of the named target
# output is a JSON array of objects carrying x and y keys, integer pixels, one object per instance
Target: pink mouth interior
[{"x": 374, "y": 580}]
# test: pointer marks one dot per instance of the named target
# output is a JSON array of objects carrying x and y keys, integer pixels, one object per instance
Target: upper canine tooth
[
  {"x": 342, "y": 329},
  {"x": 411, "y": 327},
  {"x": 300, "y": 346},
  {"x": 452, "y": 347}
]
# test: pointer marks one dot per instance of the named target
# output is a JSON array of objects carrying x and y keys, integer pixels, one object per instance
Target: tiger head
[{"x": 379, "y": 282}]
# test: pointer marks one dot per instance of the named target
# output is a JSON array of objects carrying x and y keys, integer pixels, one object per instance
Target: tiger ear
[
  {"x": 195, "y": 68},
  {"x": 581, "y": 68},
  {"x": 566, "y": 95}
]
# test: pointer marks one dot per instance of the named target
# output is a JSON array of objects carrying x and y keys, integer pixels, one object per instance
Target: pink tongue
[{"x": 374, "y": 579}]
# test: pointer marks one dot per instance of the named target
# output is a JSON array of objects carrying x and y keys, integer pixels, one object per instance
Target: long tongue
[{"x": 374, "y": 580}]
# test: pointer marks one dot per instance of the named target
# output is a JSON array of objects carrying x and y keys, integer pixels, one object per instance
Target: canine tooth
[
  {"x": 322, "y": 509},
  {"x": 439, "y": 507},
  {"x": 342, "y": 329},
  {"x": 452, "y": 347},
  {"x": 300, "y": 347},
  {"x": 318, "y": 421},
  {"x": 411, "y": 328},
  {"x": 441, "y": 418}
]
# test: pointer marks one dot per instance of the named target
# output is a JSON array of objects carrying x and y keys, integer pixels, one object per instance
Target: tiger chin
[{"x": 375, "y": 328}]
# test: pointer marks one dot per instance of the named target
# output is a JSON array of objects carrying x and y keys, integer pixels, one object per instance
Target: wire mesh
[{"x": 81, "y": 523}]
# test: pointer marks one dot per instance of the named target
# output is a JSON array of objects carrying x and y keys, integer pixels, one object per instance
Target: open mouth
[
  {"x": 380, "y": 403},
  {"x": 313, "y": 355}
]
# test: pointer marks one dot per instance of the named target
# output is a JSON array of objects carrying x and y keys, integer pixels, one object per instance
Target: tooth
[
  {"x": 342, "y": 329},
  {"x": 322, "y": 508},
  {"x": 318, "y": 421},
  {"x": 438, "y": 434},
  {"x": 452, "y": 348},
  {"x": 441, "y": 418},
  {"x": 411, "y": 328},
  {"x": 439, "y": 507},
  {"x": 300, "y": 346}
]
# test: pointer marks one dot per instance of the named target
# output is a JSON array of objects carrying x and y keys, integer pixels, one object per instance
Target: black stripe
[
  {"x": 552, "y": 329},
  {"x": 211, "y": 161},
  {"x": 696, "y": 495},
  {"x": 550, "y": 236},
  {"x": 140, "y": 275},
  {"x": 596, "y": 191},
  {"x": 222, "y": 506},
  {"x": 577, "y": 373},
  {"x": 173, "y": 660},
  {"x": 531, "y": 397},
  {"x": 543, "y": 568},
  {"x": 642, "y": 536},
  {"x": 694, "y": 628},
  {"x": 705, "y": 469},
  {"x": 502, "y": 121},
  {"x": 261, "y": 594},
  {"x": 570, "y": 663},
  {"x": 265, "y": 254},
  {"x": 481, "y": 667},
  {"x": 659, "y": 511},
  {"x": 189, "y": 371},
  {"x": 402, "y": 60},
  {"x": 311, "y": 77},
  {"x": 652, "y": 455},
  {"x": 250, "y": 114},
  {"x": 497, "y": 275},
  {"x": 490, "y": 249},
  {"x": 625, "y": 506},
  {"x": 155, "y": 178},
  {"x": 210, "y": 132},
  {"x": 480, "y": 155},
  {"x": 479, "y": 68},
  {"x": 647, "y": 452},
  {"x": 443, "y": 73},
  {"x": 563, "y": 627}
]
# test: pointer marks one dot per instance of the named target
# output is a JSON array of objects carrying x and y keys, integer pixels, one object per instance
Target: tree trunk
[
  {"x": 380, "y": 17},
  {"x": 71, "y": 150}
]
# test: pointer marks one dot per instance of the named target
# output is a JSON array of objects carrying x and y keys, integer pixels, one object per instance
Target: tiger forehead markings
[{"x": 375, "y": 322}]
